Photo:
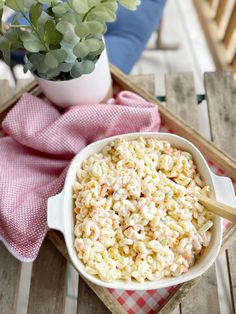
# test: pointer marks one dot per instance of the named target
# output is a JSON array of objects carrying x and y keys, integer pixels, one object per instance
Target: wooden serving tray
[{"x": 220, "y": 159}]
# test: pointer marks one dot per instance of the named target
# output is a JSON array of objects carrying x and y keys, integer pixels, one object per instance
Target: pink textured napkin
[{"x": 39, "y": 145}]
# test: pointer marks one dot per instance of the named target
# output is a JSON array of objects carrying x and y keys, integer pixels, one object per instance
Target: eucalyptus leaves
[{"x": 62, "y": 39}]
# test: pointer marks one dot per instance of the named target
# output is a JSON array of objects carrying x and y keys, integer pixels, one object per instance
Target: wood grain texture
[
  {"x": 88, "y": 301},
  {"x": 220, "y": 92},
  {"x": 181, "y": 99},
  {"x": 210, "y": 28},
  {"x": 48, "y": 282},
  {"x": 203, "y": 298},
  {"x": 4, "y": 88},
  {"x": 9, "y": 281},
  {"x": 146, "y": 81},
  {"x": 231, "y": 258},
  {"x": 222, "y": 110}
]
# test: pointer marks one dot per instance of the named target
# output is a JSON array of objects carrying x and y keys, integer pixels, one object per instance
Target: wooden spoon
[{"x": 217, "y": 208}]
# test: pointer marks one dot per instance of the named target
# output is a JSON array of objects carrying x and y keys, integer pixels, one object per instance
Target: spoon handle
[{"x": 217, "y": 208}]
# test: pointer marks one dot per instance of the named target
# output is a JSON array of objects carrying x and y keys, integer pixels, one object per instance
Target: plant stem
[
  {"x": 91, "y": 9},
  {"x": 35, "y": 30},
  {"x": 87, "y": 13}
]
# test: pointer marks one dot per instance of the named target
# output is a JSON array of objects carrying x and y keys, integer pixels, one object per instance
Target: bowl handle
[
  {"x": 55, "y": 212},
  {"x": 224, "y": 190}
]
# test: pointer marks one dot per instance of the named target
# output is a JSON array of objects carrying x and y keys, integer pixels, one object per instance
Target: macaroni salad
[{"x": 137, "y": 213}]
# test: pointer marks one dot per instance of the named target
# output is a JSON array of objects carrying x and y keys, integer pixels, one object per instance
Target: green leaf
[
  {"x": 130, "y": 4},
  {"x": 111, "y": 5},
  {"x": 83, "y": 67},
  {"x": 54, "y": 57},
  {"x": 93, "y": 2},
  {"x": 60, "y": 9},
  {"x": 59, "y": 54},
  {"x": 65, "y": 67},
  {"x": 5, "y": 44},
  {"x": 12, "y": 35},
  {"x": 50, "y": 60},
  {"x": 35, "y": 12},
  {"x": 90, "y": 27},
  {"x": 71, "y": 57},
  {"x": 67, "y": 29},
  {"x": 51, "y": 34},
  {"x": 31, "y": 42},
  {"x": 93, "y": 44},
  {"x": 79, "y": 6},
  {"x": 81, "y": 50},
  {"x": 44, "y": 17},
  {"x": 29, "y": 3},
  {"x": 1, "y": 13},
  {"x": 101, "y": 13},
  {"x": 50, "y": 74},
  {"x": 36, "y": 58},
  {"x": 33, "y": 46},
  {"x": 16, "y": 5}
]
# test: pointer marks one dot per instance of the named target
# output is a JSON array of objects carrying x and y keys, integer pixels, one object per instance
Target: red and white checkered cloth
[{"x": 40, "y": 145}]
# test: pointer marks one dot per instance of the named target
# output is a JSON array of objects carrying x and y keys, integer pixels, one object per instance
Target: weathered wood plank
[
  {"x": 48, "y": 282},
  {"x": 176, "y": 310},
  {"x": 4, "y": 89},
  {"x": 146, "y": 81},
  {"x": 181, "y": 99},
  {"x": 222, "y": 110},
  {"x": 203, "y": 298},
  {"x": 88, "y": 302},
  {"x": 231, "y": 258},
  {"x": 22, "y": 83},
  {"x": 10, "y": 269}
]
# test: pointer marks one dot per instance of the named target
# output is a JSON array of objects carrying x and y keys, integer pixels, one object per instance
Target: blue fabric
[{"x": 127, "y": 37}]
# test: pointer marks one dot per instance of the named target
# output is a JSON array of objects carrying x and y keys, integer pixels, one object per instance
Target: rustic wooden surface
[
  {"x": 146, "y": 81},
  {"x": 181, "y": 99},
  {"x": 48, "y": 282},
  {"x": 231, "y": 258},
  {"x": 220, "y": 93},
  {"x": 9, "y": 281},
  {"x": 222, "y": 110},
  {"x": 88, "y": 302}
]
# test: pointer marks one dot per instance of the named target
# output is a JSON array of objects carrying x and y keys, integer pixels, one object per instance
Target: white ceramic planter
[
  {"x": 60, "y": 214},
  {"x": 87, "y": 89}
]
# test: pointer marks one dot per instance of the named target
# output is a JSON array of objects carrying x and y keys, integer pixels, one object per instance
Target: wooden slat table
[{"x": 48, "y": 287}]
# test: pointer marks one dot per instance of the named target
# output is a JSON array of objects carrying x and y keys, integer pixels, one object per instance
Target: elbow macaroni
[{"x": 137, "y": 212}]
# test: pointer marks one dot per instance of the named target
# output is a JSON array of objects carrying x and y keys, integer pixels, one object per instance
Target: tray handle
[
  {"x": 224, "y": 190},
  {"x": 55, "y": 212}
]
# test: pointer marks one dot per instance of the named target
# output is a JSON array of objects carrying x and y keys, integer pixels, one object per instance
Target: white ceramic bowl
[{"x": 61, "y": 216}]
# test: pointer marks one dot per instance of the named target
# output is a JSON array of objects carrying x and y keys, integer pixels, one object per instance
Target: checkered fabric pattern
[{"x": 147, "y": 302}]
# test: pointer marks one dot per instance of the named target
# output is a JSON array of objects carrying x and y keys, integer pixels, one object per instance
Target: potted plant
[{"x": 64, "y": 46}]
